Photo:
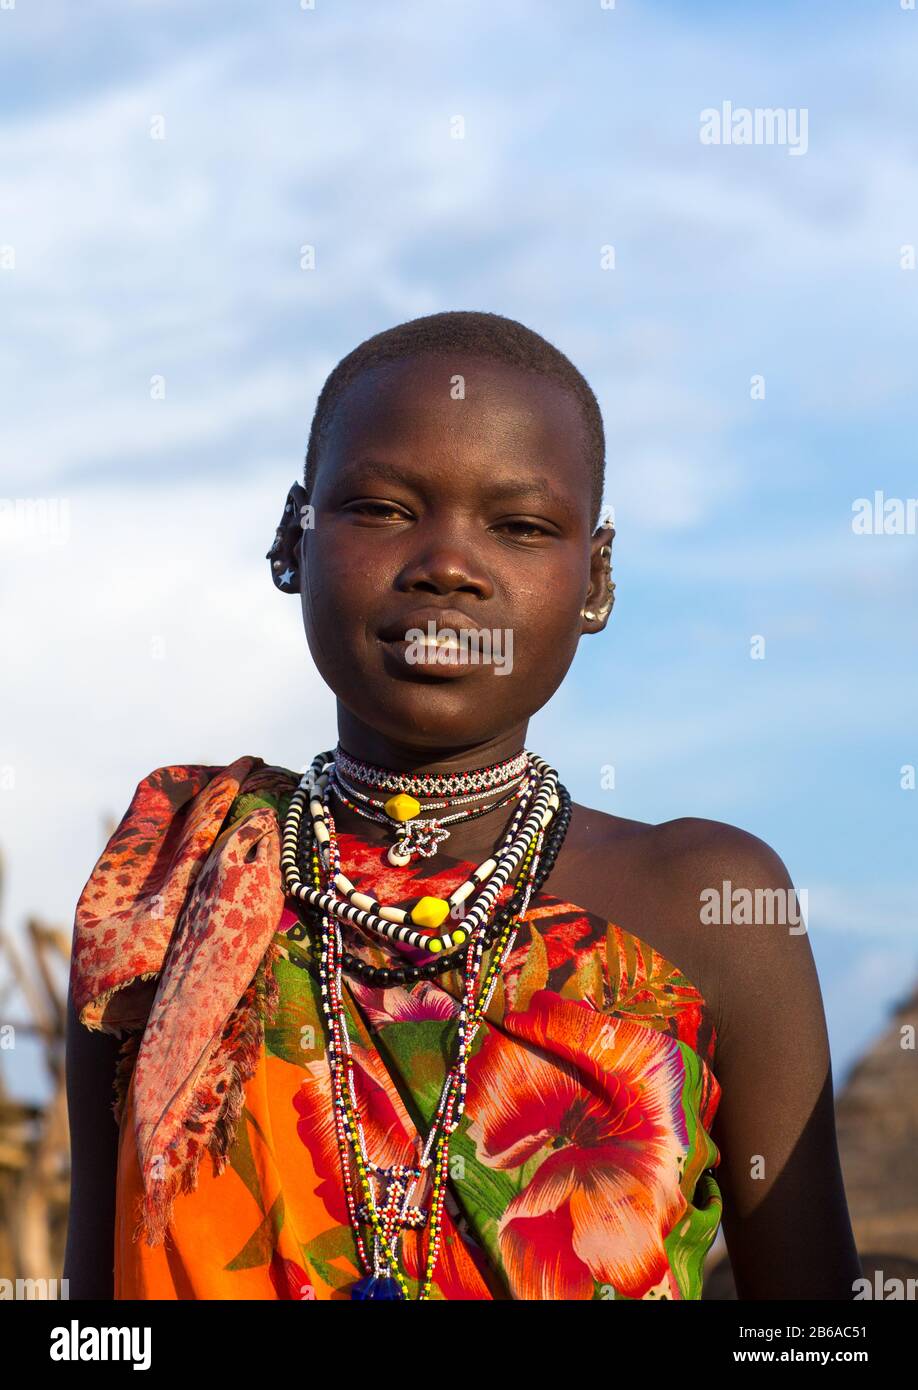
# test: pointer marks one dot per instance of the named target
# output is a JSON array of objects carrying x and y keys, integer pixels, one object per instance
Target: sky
[{"x": 162, "y": 347}]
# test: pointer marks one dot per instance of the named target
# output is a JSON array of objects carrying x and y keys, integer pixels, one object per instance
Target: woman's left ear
[
  {"x": 284, "y": 553},
  {"x": 601, "y": 593}
]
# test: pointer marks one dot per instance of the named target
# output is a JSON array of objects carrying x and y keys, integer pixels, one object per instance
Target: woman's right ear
[{"x": 284, "y": 553}]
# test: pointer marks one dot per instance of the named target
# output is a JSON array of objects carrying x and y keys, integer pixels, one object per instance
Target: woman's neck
[{"x": 417, "y": 754}]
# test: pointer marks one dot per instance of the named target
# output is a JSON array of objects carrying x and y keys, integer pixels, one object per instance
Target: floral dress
[{"x": 583, "y": 1166}]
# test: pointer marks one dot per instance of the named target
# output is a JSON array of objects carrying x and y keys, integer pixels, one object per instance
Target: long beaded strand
[
  {"x": 452, "y": 1101},
  {"x": 446, "y": 1118}
]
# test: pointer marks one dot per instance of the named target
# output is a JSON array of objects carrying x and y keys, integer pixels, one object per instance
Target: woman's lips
[
  {"x": 439, "y": 656},
  {"x": 431, "y": 621}
]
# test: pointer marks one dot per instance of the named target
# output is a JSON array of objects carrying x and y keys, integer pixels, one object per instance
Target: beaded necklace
[
  {"x": 385, "y": 1202},
  {"x": 477, "y": 779},
  {"x": 419, "y": 834},
  {"x": 439, "y": 965},
  {"x": 417, "y": 926}
]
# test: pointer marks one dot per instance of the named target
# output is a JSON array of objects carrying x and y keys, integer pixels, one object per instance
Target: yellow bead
[
  {"x": 429, "y": 912},
  {"x": 402, "y": 807},
  {"x": 458, "y": 937}
]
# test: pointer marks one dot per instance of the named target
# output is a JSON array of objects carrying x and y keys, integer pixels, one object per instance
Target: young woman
[{"x": 408, "y": 1022}]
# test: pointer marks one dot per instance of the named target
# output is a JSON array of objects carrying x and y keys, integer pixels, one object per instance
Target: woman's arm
[
  {"x": 91, "y": 1061},
  {"x": 785, "y": 1219}
]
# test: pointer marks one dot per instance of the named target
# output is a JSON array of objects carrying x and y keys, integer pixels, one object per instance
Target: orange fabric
[{"x": 203, "y": 1256}]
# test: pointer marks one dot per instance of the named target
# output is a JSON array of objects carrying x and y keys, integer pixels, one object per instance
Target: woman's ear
[
  {"x": 284, "y": 553},
  {"x": 601, "y": 593}
]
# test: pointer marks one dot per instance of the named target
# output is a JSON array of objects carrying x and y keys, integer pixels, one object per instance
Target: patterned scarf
[{"x": 172, "y": 948}]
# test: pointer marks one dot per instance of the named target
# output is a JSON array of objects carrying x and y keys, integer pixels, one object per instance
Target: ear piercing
[
  {"x": 601, "y": 613},
  {"x": 277, "y": 563}
]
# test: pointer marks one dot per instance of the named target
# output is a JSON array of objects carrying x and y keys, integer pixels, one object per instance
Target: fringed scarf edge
[{"x": 228, "y": 1071}]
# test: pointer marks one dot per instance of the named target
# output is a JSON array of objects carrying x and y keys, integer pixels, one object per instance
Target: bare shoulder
[
  {"x": 752, "y": 921},
  {"x": 693, "y": 849},
  {"x": 689, "y": 850},
  {"x": 715, "y": 899}
]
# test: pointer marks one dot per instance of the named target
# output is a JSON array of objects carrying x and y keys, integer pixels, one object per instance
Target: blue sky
[{"x": 179, "y": 257}]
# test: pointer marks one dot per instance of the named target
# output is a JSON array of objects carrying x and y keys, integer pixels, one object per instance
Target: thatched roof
[{"x": 877, "y": 1122}]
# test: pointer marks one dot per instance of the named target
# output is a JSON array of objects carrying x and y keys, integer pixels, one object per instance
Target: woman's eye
[
  {"x": 523, "y": 530},
  {"x": 377, "y": 509}
]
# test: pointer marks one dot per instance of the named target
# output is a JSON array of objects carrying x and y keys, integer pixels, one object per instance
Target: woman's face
[{"x": 471, "y": 512}]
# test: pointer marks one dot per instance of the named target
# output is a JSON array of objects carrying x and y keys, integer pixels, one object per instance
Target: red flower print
[{"x": 602, "y": 1096}]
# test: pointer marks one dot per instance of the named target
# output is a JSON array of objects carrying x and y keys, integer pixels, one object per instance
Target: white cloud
[{"x": 153, "y": 636}]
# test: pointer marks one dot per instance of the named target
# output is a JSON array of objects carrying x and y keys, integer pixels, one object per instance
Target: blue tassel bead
[{"x": 373, "y": 1286}]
